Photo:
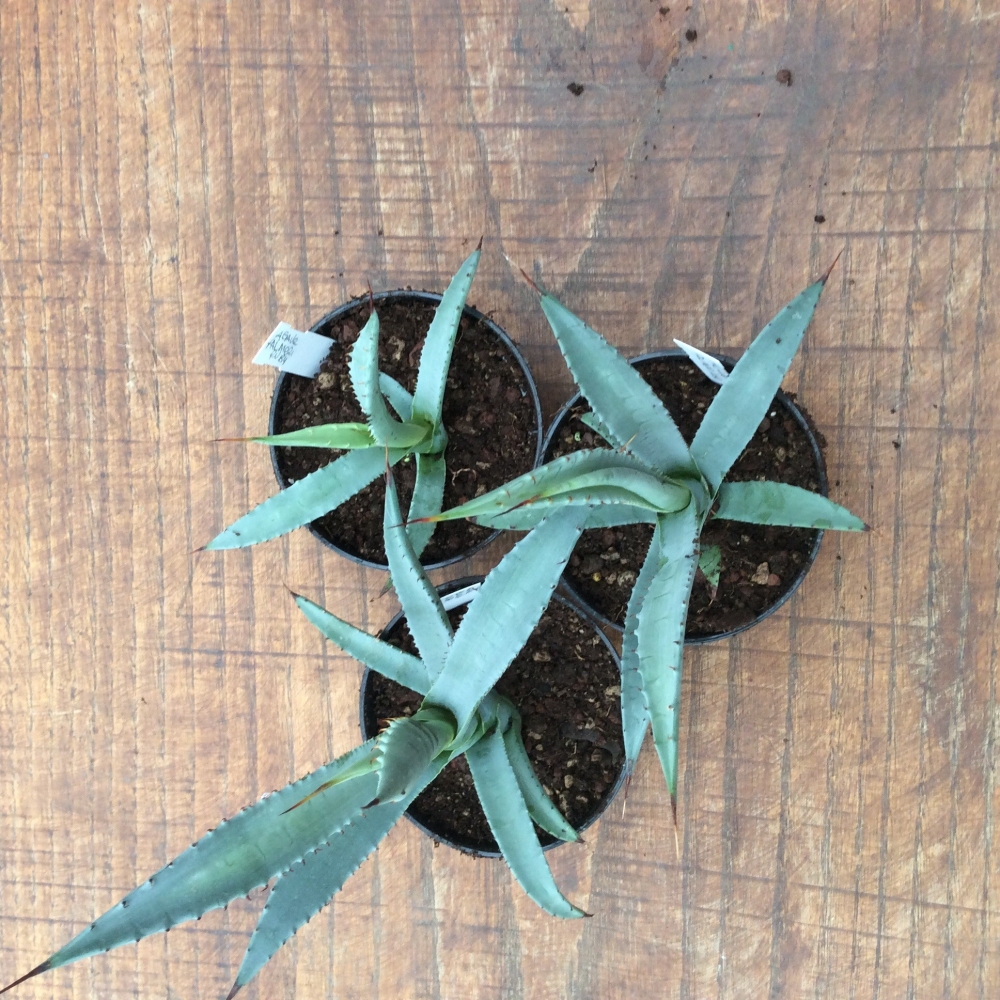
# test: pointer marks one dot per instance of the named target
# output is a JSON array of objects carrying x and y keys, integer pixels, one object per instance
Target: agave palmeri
[
  {"x": 419, "y": 431},
  {"x": 314, "y": 833},
  {"x": 652, "y": 476}
]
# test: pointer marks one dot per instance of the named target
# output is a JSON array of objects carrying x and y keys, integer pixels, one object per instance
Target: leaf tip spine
[
  {"x": 527, "y": 278},
  {"x": 36, "y": 971},
  {"x": 237, "y": 986},
  {"x": 479, "y": 245},
  {"x": 829, "y": 270}
]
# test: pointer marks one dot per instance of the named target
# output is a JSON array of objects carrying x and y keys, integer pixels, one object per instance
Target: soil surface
[
  {"x": 759, "y": 563},
  {"x": 566, "y": 685},
  {"x": 489, "y": 414}
]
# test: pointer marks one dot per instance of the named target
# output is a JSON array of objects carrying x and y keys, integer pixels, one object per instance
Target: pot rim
[
  {"x": 796, "y": 413},
  {"x": 462, "y": 591},
  {"x": 475, "y": 314}
]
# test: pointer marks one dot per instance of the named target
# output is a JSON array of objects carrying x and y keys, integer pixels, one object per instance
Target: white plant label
[
  {"x": 710, "y": 367},
  {"x": 459, "y": 597},
  {"x": 300, "y": 352}
]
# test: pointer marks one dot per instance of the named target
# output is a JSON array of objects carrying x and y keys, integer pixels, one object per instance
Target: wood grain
[{"x": 176, "y": 176}]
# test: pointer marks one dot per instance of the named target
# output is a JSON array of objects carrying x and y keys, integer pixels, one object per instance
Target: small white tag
[
  {"x": 459, "y": 597},
  {"x": 300, "y": 352},
  {"x": 710, "y": 367}
]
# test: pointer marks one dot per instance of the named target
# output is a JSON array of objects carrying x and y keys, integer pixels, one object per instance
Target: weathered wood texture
[{"x": 177, "y": 176}]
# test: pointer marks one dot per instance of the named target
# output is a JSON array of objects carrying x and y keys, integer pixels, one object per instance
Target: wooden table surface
[{"x": 177, "y": 176}]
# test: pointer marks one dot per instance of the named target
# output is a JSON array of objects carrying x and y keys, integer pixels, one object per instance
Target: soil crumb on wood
[
  {"x": 784, "y": 76},
  {"x": 576, "y": 89}
]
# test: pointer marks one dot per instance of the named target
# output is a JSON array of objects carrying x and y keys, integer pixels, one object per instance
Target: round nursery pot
[
  {"x": 566, "y": 684},
  {"x": 491, "y": 413},
  {"x": 761, "y": 565}
]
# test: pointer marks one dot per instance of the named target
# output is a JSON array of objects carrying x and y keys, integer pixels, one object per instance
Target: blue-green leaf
[
  {"x": 237, "y": 856},
  {"x": 779, "y": 503},
  {"x": 302, "y": 502},
  {"x": 399, "y": 399},
  {"x": 504, "y": 613},
  {"x": 623, "y": 485},
  {"x": 622, "y": 401},
  {"x": 363, "y": 367},
  {"x": 508, "y": 817},
  {"x": 610, "y": 515},
  {"x": 593, "y": 422},
  {"x": 710, "y": 563},
  {"x": 435, "y": 357},
  {"x": 425, "y": 615},
  {"x": 660, "y": 635},
  {"x": 408, "y": 746},
  {"x": 308, "y": 885},
  {"x": 387, "y": 660},
  {"x": 635, "y": 717},
  {"x": 428, "y": 490},
  {"x": 343, "y": 436},
  {"x": 545, "y": 481},
  {"x": 540, "y": 807},
  {"x": 742, "y": 401}
]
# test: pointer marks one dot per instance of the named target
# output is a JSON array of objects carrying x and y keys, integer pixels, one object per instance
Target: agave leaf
[
  {"x": 408, "y": 746},
  {"x": 498, "y": 791},
  {"x": 660, "y": 636},
  {"x": 743, "y": 400},
  {"x": 387, "y": 660},
  {"x": 608, "y": 515},
  {"x": 344, "y": 436},
  {"x": 540, "y": 807},
  {"x": 618, "y": 395},
  {"x": 593, "y": 422},
  {"x": 425, "y": 615},
  {"x": 710, "y": 563},
  {"x": 426, "y": 501},
  {"x": 590, "y": 497},
  {"x": 308, "y": 885},
  {"x": 435, "y": 357},
  {"x": 302, "y": 502},
  {"x": 399, "y": 399},
  {"x": 504, "y": 613},
  {"x": 547, "y": 480},
  {"x": 779, "y": 503},
  {"x": 640, "y": 489},
  {"x": 635, "y": 717},
  {"x": 363, "y": 367},
  {"x": 237, "y": 856}
]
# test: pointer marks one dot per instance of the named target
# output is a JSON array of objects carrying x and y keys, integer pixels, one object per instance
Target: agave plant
[
  {"x": 419, "y": 431},
  {"x": 314, "y": 833},
  {"x": 651, "y": 476}
]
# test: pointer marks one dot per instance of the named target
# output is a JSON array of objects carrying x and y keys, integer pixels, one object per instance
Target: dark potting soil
[
  {"x": 489, "y": 414},
  {"x": 759, "y": 562},
  {"x": 566, "y": 686}
]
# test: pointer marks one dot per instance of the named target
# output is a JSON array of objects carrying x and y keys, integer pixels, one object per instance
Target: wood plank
[{"x": 178, "y": 176}]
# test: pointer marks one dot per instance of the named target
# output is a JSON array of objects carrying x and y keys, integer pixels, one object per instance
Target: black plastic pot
[
  {"x": 435, "y": 298},
  {"x": 796, "y": 415},
  {"x": 454, "y": 594}
]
